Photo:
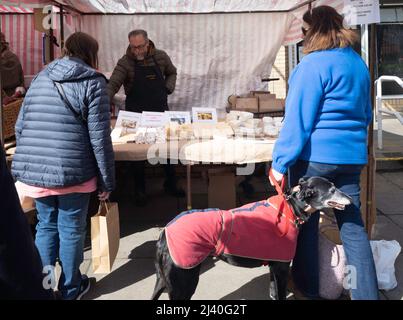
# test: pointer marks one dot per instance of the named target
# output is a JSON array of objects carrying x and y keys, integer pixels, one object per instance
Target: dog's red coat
[{"x": 263, "y": 230}]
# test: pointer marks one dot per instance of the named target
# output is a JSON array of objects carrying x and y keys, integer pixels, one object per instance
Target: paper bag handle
[{"x": 105, "y": 204}]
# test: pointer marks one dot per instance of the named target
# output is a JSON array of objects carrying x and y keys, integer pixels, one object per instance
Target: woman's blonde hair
[
  {"x": 82, "y": 46},
  {"x": 326, "y": 30}
]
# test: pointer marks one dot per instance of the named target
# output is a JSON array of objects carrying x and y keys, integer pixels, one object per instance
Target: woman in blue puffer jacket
[{"x": 64, "y": 152}]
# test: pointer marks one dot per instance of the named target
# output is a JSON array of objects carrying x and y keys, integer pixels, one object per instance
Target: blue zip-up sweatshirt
[
  {"x": 328, "y": 109},
  {"x": 54, "y": 149}
]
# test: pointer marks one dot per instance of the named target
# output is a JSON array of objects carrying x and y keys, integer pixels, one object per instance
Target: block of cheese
[{"x": 209, "y": 130}]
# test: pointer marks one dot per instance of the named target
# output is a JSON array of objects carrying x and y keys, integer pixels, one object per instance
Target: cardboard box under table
[{"x": 221, "y": 188}]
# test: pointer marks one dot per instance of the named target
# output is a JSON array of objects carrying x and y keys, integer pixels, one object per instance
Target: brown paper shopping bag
[
  {"x": 105, "y": 236},
  {"x": 27, "y": 203}
]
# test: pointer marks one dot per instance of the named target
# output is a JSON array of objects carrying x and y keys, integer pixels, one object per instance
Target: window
[{"x": 390, "y": 47}]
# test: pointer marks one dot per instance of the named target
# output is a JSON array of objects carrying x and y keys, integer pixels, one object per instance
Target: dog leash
[{"x": 280, "y": 191}]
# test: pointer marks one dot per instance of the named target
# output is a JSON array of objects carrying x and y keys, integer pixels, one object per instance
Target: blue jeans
[
  {"x": 61, "y": 234},
  {"x": 305, "y": 269}
]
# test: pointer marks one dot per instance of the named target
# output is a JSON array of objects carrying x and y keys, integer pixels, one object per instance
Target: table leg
[{"x": 189, "y": 187}]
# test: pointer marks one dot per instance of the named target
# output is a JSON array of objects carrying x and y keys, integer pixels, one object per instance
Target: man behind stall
[
  {"x": 12, "y": 75},
  {"x": 148, "y": 77}
]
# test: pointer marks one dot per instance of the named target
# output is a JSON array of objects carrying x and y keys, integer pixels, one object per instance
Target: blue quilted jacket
[{"x": 55, "y": 149}]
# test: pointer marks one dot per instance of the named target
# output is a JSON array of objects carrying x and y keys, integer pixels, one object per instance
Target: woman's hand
[
  {"x": 277, "y": 176},
  {"x": 102, "y": 196}
]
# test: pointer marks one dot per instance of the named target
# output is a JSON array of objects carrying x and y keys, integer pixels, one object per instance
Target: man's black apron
[{"x": 148, "y": 92}]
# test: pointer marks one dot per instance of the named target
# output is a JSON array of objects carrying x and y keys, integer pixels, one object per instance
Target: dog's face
[{"x": 320, "y": 193}]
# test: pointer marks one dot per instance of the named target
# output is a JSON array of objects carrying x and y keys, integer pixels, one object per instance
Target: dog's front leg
[
  {"x": 279, "y": 273},
  {"x": 273, "y": 293}
]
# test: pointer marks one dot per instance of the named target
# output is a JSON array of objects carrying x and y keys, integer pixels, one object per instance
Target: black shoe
[
  {"x": 57, "y": 295},
  {"x": 84, "y": 287},
  {"x": 174, "y": 190},
  {"x": 140, "y": 199}
]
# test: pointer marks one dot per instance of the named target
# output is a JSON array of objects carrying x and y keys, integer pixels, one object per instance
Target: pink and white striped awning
[
  {"x": 164, "y": 6},
  {"x": 26, "y": 42},
  {"x": 12, "y": 9},
  {"x": 17, "y": 20}
]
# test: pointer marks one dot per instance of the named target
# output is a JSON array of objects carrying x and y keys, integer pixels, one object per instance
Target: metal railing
[{"x": 379, "y": 107}]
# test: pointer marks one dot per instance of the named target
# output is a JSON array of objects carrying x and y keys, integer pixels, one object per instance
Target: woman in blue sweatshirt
[{"x": 328, "y": 110}]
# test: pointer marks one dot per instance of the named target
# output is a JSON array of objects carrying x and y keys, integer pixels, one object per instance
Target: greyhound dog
[{"x": 180, "y": 276}]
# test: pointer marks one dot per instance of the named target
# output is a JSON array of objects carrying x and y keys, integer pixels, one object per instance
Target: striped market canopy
[{"x": 217, "y": 55}]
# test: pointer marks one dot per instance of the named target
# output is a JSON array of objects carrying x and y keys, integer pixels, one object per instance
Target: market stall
[
  {"x": 238, "y": 139},
  {"x": 220, "y": 47}
]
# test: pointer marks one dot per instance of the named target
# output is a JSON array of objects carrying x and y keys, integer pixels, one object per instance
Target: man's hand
[
  {"x": 103, "y": 195},
  {"x": 19, "y": 92},
  {"x": 277, "y": 176}
]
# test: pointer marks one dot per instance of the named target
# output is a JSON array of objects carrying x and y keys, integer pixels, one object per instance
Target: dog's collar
[{"x": 298, "y": 208}]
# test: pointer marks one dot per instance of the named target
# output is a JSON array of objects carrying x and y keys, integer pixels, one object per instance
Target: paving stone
[
  {"x": 129, "y": 280},
  {"x": 386, "y": 229},
  {"x": 398, "y": 219},
  {"x": 389, "y": 203},
  {"x": 397, "y": 293},
  {"x": 395, "y": 178}
]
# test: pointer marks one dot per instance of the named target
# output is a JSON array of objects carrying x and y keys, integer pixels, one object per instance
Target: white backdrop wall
[{"x": 216, "y": 54}]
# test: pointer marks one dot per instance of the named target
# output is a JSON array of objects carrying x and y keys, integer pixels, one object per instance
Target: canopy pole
[
  {"x": 61, "y": 27},
  {"x": 364, "y": 43},
  {"x": 49, "y": 40},
  {"x": 371, "y": 168},
  {"x": 1, "y": 98}
]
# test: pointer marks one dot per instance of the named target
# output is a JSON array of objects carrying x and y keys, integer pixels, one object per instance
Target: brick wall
[{"x": 280, "y": 70}]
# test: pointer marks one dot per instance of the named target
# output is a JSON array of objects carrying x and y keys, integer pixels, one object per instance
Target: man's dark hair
[{"x": 138, "y": 32}]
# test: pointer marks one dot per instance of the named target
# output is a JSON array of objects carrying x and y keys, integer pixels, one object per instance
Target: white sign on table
[
  {"x": 125, "y": 127},
  {"x": 204, "y": 115},
  {"x": 128, "y": 120},
  {"x": 361, "y": 12},
  {"x": 153, "y": 119},
  {"x": 180, "y": 117}
]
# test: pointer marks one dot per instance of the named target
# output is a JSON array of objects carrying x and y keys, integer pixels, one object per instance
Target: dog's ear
[
  {"x": 309, "y": 193},
  {"x": 302, "y": 181},
  {"x": 306, "y": 192}
]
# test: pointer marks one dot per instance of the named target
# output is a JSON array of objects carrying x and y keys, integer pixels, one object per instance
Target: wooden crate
[
  {"x": 263, "y": 95},
  {"x": 247, "y": 104},
  {"x": 271, "y": 105},
  {"x": 10, "y": 115}
]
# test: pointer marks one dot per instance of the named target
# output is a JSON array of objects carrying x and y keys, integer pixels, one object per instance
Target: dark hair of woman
[{"x": 83, "y": 46}]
